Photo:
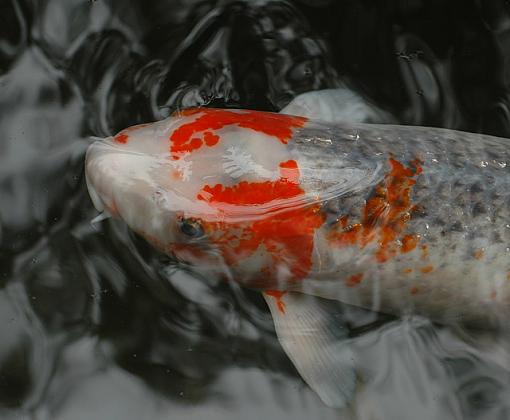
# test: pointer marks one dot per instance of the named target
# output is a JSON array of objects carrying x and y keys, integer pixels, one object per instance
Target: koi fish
[{"x": 396, "y": 219}]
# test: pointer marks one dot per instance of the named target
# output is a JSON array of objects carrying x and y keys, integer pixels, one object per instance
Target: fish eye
[{"x": 191, "y": 227}]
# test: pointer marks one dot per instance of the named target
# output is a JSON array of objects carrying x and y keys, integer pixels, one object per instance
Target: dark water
[{"x": 97, "y": 325}]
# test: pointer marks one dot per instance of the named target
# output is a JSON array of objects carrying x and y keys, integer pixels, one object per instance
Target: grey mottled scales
[{"x": 463, "y": 196}]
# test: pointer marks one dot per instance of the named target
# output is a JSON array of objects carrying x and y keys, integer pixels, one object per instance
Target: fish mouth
[
  {"x": 94, "y": 196},
  {"x": 95, "y": 149}
]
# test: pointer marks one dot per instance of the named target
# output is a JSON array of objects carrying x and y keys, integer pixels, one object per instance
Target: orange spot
[
  {"x": 494, "y": 295},
  {"x": 409, "y": 242},
  {"x": 278, "y": 295},
  {"x": 287, "y": 234},
  {"x": 414, "y": 290},
  {"x": 427, "y": 269},
  {"x": 416, "y": 164},
  {"x": 407, "y": 270},
  {"x": 177, "y": 174},
  {"x": 385, "y": 215},
  {"x": 289, "y": 171},
  {"x": 350, "y": 235},
  {"x": 344, "y": 221},
  {"x": 121, "y": 138},
  {"x": 478, "y": 254},
  {"x": 424, "y": 252},
  {"x": 183, "y": 138},
  {"x": 508, "y": 275},
  {"x": 354, "y": 280}
]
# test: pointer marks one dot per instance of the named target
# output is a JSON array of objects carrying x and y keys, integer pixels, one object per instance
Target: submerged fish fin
[
  {"x": 314, "y": 337},
  {"x": 336, "y": 175},
  {"x": 336, "y": 106},
  {"x": 105, "y": 214}
]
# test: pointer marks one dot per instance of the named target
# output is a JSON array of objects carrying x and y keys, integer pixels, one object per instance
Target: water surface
[{"x": 97, "y": 325}]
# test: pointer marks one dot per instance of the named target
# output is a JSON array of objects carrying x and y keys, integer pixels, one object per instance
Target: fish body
[
  {"x": 396, "y": 219},
  {"x": 393, "y": 218}
]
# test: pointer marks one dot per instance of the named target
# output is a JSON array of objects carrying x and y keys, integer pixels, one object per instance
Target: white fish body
[{"x": 378, "y": 216}]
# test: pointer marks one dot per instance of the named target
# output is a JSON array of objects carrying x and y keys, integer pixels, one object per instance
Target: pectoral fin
[
  {"x": 337, "y": 106},
  {"x": 313, "y": 335}
]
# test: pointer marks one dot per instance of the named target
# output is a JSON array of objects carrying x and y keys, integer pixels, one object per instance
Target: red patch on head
[
  {"x": 286, "y": 231},
  {"x": 289, "y": 171},
  {"x": 184, "y": 139},
  {"x": 385, "y": 215},
  {"x": 121, "y": 138},
  {"x": 414, "y": 290},
  {"x": 250, "y": 193},
  {"x": 211, "y": 139}
]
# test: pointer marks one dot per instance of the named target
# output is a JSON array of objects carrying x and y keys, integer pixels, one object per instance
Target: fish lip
[{"x": 96, "y": 199}]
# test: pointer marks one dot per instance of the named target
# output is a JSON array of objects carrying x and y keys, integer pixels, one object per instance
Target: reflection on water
[{"x": 96, "y": 324}]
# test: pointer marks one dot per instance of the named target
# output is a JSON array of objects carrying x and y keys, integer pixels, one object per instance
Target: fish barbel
[{"x": 396, "y": 219}]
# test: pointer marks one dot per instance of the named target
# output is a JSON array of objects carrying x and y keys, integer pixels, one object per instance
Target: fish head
[{"x": 217, "y": 189}]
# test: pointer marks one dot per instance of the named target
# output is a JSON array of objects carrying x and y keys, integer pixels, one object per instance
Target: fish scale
[{"x": 459, "y": 267}]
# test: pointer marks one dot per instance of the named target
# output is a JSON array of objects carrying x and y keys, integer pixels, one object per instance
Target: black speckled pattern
[{"x": 459, "y": 269}]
